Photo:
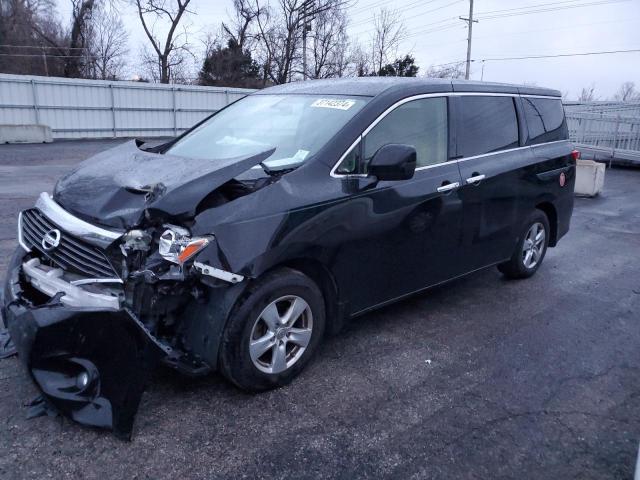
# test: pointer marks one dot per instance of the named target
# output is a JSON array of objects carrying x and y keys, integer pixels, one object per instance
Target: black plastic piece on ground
[
  {"x": 187, "y": 364},
  {"x": 38, "y": 407},
  {"x": 7, "y": 347}
]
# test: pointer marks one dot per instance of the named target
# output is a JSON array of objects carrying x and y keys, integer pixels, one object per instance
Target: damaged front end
[{"x": 91, "y": 310}]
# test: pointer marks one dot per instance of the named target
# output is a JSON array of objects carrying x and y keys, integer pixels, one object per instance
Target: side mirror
[{"x": 393, "y": 161}]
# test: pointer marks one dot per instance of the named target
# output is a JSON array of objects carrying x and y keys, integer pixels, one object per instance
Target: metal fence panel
[
  {"x": 606, "y": 129},
  {"x": 75, "y": 108}
]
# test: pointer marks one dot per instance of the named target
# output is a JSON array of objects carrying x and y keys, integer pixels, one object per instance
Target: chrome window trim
[
  {"x": 464, "y": 159},
  {"x": 74, "y": 225},
  {"x": 550, "y": 97},
  {"x": 401, "y": 102}
]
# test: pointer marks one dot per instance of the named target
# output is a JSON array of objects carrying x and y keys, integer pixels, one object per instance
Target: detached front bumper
[{"x": 90, "y": 358}]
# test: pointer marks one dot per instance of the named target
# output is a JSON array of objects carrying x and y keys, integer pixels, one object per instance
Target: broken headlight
[{"x": 177, "y": 246}]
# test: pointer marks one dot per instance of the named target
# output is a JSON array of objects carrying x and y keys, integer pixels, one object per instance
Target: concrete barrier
[
  {"x": 25, "y": 134},
  {"x": 589, "y": 178}
]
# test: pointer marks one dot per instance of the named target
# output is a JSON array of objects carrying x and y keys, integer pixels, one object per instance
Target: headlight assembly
[{"x": 177, "y": 246}]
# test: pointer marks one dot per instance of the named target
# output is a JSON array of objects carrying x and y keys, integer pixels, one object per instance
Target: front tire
[
  {"x": 273, "y": 331},
  {"x": 531, "y": 248}
]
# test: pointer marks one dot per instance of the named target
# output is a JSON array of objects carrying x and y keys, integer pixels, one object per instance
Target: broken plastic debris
[
  {"x": 7, "y": 348},
  {"x": 39, "y": 407}
]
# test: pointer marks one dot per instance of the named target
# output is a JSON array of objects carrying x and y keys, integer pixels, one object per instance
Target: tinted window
[
  {"x": 545, "y": 119},
  {"x": 487, "y": 124},
  {"x": 419, "y": 123}
]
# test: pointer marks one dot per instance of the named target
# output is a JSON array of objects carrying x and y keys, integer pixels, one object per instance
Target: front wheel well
[
  {"x": 321, "y": 276},
  {"x": 552, "y": 215}
]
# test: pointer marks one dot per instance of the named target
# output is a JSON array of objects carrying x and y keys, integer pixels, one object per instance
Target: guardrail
[{"x": 76, "y": 108}]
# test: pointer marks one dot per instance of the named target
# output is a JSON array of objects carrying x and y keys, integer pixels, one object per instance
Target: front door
[{"x": 409, "y": 230}]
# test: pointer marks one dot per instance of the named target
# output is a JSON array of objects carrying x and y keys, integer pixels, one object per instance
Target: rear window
[
  {"x": 545, "y": 120},
  {"x": 487, "y": 124}
]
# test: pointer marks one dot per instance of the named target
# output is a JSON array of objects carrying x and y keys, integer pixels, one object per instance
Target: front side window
[
  {"x": 487, "y": 124},
  {"x": 295, "y": 126},
  {"x": 545, "y": 119},
  {"x": 420, "y": 123}
]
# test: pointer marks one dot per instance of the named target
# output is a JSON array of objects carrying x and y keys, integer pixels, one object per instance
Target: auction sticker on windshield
[{"x": 333, "y": 103}]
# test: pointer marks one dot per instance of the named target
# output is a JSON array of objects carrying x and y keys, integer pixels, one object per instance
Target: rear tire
[
  {"x": 530, "y": 249},
  {"x": 273, "y": 331}
]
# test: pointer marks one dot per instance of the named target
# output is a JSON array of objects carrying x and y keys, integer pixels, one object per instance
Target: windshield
[{"x": 296, "y": 126}]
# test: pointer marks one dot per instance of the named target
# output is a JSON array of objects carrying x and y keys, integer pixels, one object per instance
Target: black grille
[{"x": 72, "y": 254}]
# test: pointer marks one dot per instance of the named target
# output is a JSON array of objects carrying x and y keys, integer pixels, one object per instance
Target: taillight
[{"x": 575, "y": 154}]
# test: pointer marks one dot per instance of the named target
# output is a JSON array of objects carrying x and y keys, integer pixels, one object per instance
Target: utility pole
[
  {"x": 306, "y": 13},
  {"x": 44, "y": 59},
  {"x": 470, "y": 22}
]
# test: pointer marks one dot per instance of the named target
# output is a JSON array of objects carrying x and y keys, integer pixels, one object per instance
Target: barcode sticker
[{"x": 336, "y": 103}]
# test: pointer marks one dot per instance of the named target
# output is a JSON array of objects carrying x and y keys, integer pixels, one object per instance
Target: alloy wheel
[
  {"x": 281, "y": 334},
  {"x": 533, "y": 245}
]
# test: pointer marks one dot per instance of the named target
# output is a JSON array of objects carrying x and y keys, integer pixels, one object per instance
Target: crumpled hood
[{"x": 117, "y": 186}]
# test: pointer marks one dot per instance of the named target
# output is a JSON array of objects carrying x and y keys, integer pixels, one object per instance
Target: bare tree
[
  {"x": 627, "y": 92},
  {"x": 280, "y": 33},
  {"x": 79, "y": 57},
  {"x": 239, "y": 29},
  {"x": 108, "y": 46},
  {"x": 32, "y": 25},
  {"x": 170, "y": 50},
  {"x": 88, "y": 48},
  {"x": 329, "y": 42},
  {"x": 387, "y": 36},
  {"x": 359, "y": 61},
  {"x": 587, "y": 94},
  {"x": 452, "y": 70}
]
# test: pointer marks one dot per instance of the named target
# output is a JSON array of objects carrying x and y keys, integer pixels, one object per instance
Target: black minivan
[{"x": 238, "y": 245}]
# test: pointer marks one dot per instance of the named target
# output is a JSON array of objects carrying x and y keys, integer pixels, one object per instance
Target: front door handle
[
  {"x": 476, "y": 178},
  {"x": 448, "y": 187}
]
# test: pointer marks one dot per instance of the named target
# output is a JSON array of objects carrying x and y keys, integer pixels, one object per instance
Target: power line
[
  {"x": 420, "y": 14},
  {"x": 524, "y": 32},
  {"x": 527, "y": 7},
  {"x": 415, "y": 5},
  {"x": 39, "y": 55},
  {"x": 513, "y": 14},
  {"x": 580, "y": 54},
  {"x": 554, "y": 29},
  {"x": 528, "y": 57},
  {"x": 551, "y": 9},
  {"x": 43, "y": 47}
]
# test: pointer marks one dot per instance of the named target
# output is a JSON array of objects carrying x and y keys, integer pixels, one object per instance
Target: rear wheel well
[{"x": 552, "y": 215}]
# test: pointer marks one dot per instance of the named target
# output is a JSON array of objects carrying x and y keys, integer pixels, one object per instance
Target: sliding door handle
[
  {"x": 476, "y": 178},
  {"x": 448, "y": 187}
]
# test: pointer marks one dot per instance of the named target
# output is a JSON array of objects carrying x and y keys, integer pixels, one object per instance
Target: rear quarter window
[
  {"x": 486, "y": 124},
  {"x": 545, "y": 120}
]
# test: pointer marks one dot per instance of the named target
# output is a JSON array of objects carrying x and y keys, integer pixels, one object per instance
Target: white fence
[
  {"x": 606, "y": 130},
  {"x": 94, "y": 108}
]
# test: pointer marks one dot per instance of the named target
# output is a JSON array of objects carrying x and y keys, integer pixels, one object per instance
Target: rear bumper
[{"x": 91, "y": 363}]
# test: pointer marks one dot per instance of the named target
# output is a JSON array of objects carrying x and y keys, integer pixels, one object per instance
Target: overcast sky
[{"x": 435, "y": 35}]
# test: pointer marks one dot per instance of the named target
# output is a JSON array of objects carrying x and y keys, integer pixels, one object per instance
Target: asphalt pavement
[{"x": 480, "y": 378}]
